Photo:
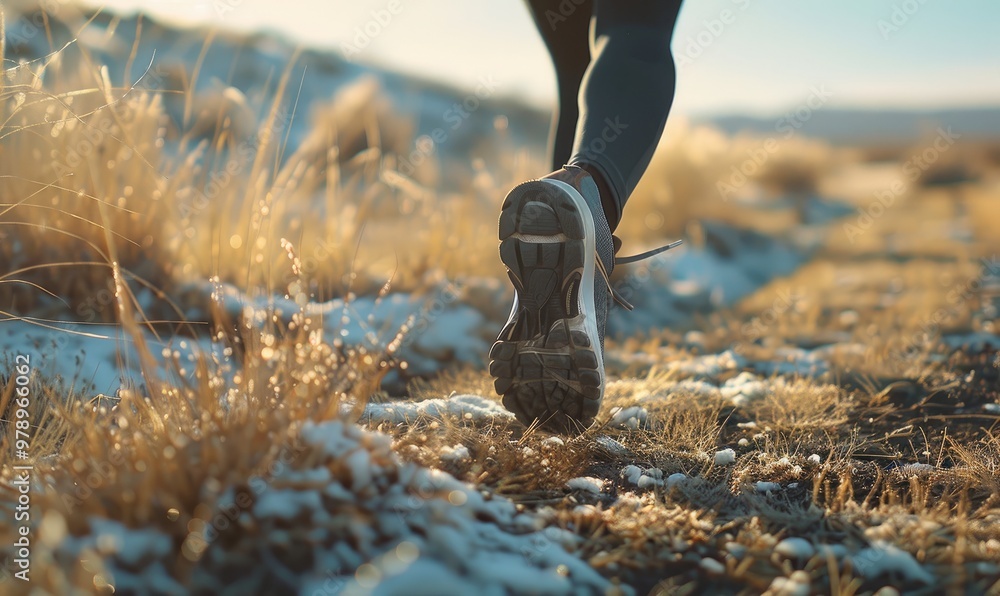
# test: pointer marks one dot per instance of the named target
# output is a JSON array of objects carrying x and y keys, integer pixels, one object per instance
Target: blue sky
[{"x": 935, "y": 53}]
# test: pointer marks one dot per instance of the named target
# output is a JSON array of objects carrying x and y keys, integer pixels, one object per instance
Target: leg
[
  {"x": 627, "y": 93},
  {"x": 555, "y": 232},
  {"x": 565, "y": 36}
]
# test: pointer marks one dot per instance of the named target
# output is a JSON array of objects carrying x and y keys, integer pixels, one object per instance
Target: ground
[{"x": 247, "y": 369}]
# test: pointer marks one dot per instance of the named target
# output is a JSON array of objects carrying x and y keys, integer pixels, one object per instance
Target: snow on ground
[
  {"x": 442, "y": 329},
  {"x": 796, "y": 584},
  {"x": 744, "y": 388},
  {"x": 795, "y": 548},
  {"x": 710, "y": 365},
  {"x": 725, "y": 457},
  {"x": 643, "y": 478},
  {"x": 586, "y": 484},
  {"x": 669, "y": 289},
  {"x": 973, "y": 342},
  {"x": 794, "y": 361},
  {"x": 631, "y": 418},
  {"x": 882, "y": 558},
  {"x": 373, "y": 525},
  {"x": 467, "y": 407},
  {"x": 96, "y": 359},
  {"x": 762, "y": 486},
  {"x": 455, "y": 453}
]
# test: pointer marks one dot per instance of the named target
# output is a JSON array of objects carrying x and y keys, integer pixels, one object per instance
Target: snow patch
[
  {"x": 710, "y": 365},
  {"x": 766, "y": 487},
  {"x": 795, "y": 362},
  {"x": 796, "y": 584},
  {"x": 972, "y": 342},
  {"x": 631, "y": 418},
  {"x": 744, "y": 388},
  {"x": 455, "y": 454},
  {"x": 795, "y": 548},
  {"x": 587, "y": 484},
  {"x": 467, "y": 407},
  {"x": 676, "y": 479},
  {"x": 631, "y": 473},
  {"x": 882, "y": 558},
  {"x": 648, "y": 478},
  {"x": 725, "y": 457}
]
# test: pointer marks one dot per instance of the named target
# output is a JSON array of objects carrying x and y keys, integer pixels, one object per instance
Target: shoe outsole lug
[
  {"x": 536, "y": 217},
  {"x": 589, "y": 378},
  {"x": 587, "y": 359},
  {"x": 544, "y": 369},
  {"x": 502, "y": 384},
  {"x": 500, "y": 368}
]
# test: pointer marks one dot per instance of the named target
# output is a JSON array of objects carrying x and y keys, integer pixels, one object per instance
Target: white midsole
[{"x": 585, "y": 297}]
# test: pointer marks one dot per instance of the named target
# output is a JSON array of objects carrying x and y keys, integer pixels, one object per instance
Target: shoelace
[{"x": 632, "y": 259}]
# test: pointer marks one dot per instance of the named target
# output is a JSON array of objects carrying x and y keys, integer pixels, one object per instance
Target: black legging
[{"x": 618, "y": 53}]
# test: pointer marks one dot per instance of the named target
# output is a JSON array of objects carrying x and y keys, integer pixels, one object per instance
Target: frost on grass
[
  {"x": 472, "y": 408},
  {"x": 444, "y": 329},
  {"x": 350, "y": 516},
  {"x": 633, "y": 417},
  {"x": 100, "y": 359}
]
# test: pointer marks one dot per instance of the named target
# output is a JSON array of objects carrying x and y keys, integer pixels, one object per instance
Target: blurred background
[{"x": 915, "y": 54}]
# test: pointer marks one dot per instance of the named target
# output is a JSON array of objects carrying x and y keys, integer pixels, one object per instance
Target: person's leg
[
  {"x": 565, "y": 33},
  {"x": 626, "y": 95},
  {"x": 556, "y": 232}
]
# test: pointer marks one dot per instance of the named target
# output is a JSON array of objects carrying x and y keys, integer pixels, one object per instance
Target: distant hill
[{"x": 868, "y": 127}]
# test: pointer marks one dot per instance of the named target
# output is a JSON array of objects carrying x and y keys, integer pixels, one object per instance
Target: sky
[{"x": 735, "y": 56}]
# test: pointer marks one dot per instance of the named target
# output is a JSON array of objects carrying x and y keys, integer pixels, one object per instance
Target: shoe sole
[{"x": 547, "y": 361}]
